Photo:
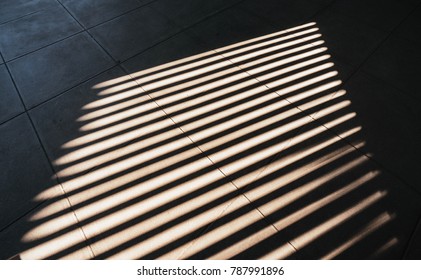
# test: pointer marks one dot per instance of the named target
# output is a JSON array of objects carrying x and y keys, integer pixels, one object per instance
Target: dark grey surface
[
  {"x": 397, "y": 63},
  {"x": 187, "y": 12},
  {"x": 10, "y": 104},
  {"x": 49, "y": 71},
  {"x": 132, "y": 33},
  {"x": 93, "y": 12},
  {"x": 13, "y": 9},
  {"x": 25, "y": 171},
  {"x": 35, "y": 31}
]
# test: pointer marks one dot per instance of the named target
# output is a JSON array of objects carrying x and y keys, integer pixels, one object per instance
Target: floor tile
[
  {"x": 164, "y": 230},
  {"x": 229, "y": 27},
  {"x": 11, "y": 104},
  {"x": 39, "y": 234},
  {"x": 295, "y": 63},
  {"x": 165, "y": 56},
  {"x": 134, "y": 32},
  {"x": 414, "y": 246},
  {"x": 186, "y": 13},
  {"x": 349, "y": 41},
  {"x": 284, "y": 14},
  {"x": 93, "y": 12},
  {"x": 356, "y": 215},
  {"x": 331, "y": 200},
  {"x": 71, "y": 114},
  {"x": 51, "y": 70},
  {"x": 389, "y": 123},
  {"x": 396, "y": 63},
  {"x": 385, "y": 15},
  {"x": 411, "y": 27},
  {"x": 13, "y": 9},
  {"x": 25, "y": 170},
  {"x": 129, "y": 162},
  {"x": 35, "y": 31},
  {"x": 239, "y": 233}
]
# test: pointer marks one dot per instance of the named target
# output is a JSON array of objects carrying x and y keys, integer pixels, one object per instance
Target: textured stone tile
[
  {"x": 25, "y": 171},
  {"x": 186, "y": 13},
  {"x": 230, "y": 27},
  {"x": 396, "y": 62},
  {"x": 389, "y": 121},
  {"x": 13, "y": 9},
  {"x": 413, "y": 251},
  {"x": 331, "y": 201},
  {"x": 410, "y": 29},
  {"x": 385, "y": 15},
  {"x": 284, "y": 14},
  {"x": 93, "y": 12},
  {"x": 348, "y": 40},
  {"x": 51, "y": 70},
  {"x": 71, "y": 115},
  {"x": 178, "y": 50},
  {"x": 240, "y": 232},
  {"x": 11, "y": 104},
  {"x": 48, "y": 232},
  {"x": 35, "y": 31},
  {"x": 129, "y": 162},
  {"x": 134, "y": 32}
]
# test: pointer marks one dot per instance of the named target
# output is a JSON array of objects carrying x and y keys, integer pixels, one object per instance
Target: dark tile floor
[{"x": 195, "y": 129}]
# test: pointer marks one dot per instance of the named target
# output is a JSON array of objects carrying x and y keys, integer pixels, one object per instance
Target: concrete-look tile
[
  {"x": 135, "y": 181},
  {"x": 134, "y": 32},
  {"x": 93, "y": 12},
  {"x": 186, "y": 13},
  {"x": 397, "y": 62},
  {"x": 331, "y": 201},
  {"x": 229, "y": 27},
  {"x": 13, "y": 9},
  {"x": 162, "y": 58},
  {"x": 164, "y": 225},
  {"x": 239, "y": 233},
  {"x": 390, "y": 124},
  {"x": 39, "y": 234},
  {"x": 11, "y": 104},
  {"x": 385, "y": 15},
  {"x": 413, "y": 252},
  {"x": 45, "y": 73},
  {"x": 66, "y": 119},
  {"x": 35, "y": 31},
  {"x": 295, "y": 63},
  {"x": 348, "y": 40},
  {"x": 228, "y": 114},
  {"x": 25, "y": 171},
  {"x": 358, "y": 214},
  {"x": 284, "y": 14},
  {"x": 410, "y": 29}
]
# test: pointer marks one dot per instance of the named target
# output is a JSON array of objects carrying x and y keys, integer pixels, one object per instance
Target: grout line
[
  {"x": 21, "y": 216},
  {"x": 20, "y": 17},
  {"x": 411, "y": 239},
  {"x": 86, "y": 30},
  {"x": 48, "y": 45},
  {"x": 351, "y": 75},
  {"x": 44, "y": 151},
  {"x": 204, "y": 154},
  {"x": 379, "y": 45},
  {"x": 208, "y": 157}
]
